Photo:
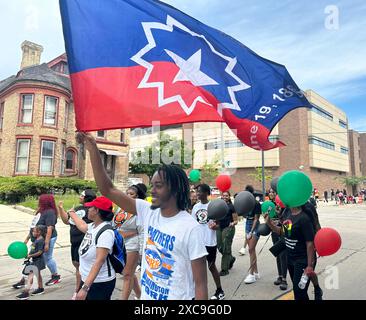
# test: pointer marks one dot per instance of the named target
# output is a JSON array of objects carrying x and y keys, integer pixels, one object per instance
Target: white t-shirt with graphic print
[
  {"x": 88, "y": 252},
  {"x": 170, "y": 244},
  {"x": 199, "y": 213}
]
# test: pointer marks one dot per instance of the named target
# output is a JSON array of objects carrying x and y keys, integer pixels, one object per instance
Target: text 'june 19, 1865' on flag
[{"x": 133, "y": 62}]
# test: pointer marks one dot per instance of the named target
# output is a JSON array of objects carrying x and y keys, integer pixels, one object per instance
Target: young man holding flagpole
[{"x": 174, "y": 254}]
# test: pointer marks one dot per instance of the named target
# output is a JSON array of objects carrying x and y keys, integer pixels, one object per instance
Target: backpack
[{"x": 118, "y": 257}]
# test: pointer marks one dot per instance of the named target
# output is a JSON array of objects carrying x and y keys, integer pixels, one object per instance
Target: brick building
[
  {"x": 316, "y": 143},
  {"x": 37, "y": 124}
]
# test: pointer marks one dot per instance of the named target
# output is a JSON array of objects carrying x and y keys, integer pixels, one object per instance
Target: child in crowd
[{"x": 36, "y": 264}]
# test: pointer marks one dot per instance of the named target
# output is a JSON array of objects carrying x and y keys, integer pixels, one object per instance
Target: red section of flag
[{"x": 112, "y": 98}]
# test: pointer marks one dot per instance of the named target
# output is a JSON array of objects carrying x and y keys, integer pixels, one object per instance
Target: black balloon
[
  {"x": 217, "y": 209},
  {"x": 263, "y": 229},
  {"x": 274, "y": 183},
  {"x": 244, "y": 203}
]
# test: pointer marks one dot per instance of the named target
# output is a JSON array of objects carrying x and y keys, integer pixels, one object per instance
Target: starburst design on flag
[{"x": 189, "y": 69}]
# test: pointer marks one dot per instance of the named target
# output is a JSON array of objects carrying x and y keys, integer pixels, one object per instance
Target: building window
[
  {"x": 274, "y": 138},
  {"x": 26, "y": 112},
  {"x": 122, "y": 136},
  {"x": 228, "y": 144},
  {"x": 2, "y": 114},
  {"x": 22, "y": 157},
  {"x": 62, "y": 164},
  {"x": 322, "y": 112},
  {"x": 70, "y": 160},
  {"x": 322, "y": 143},
  {"x": 50, "y": 112},
  {"x": 47, "y": 155},
  {"x": 344, "y": 150},
  {"x": 101, "y": 134},
  {"x": 343, "y": 124},
  {"x": 67, "y": 115}
]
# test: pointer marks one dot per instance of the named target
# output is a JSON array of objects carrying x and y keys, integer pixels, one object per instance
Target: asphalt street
[{"x": 341, "y": 275}]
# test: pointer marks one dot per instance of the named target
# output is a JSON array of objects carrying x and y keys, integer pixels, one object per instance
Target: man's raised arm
[{"x": 103, "y": 181}]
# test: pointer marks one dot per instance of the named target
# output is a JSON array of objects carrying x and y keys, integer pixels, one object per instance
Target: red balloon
[
  {"x": 279, "y": 202},
  {"x": 223, "y": 182},
  {"x": 327, "y": 242}
]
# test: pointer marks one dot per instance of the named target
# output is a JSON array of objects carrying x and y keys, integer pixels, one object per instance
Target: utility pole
[{"x": 263, "y": 177}]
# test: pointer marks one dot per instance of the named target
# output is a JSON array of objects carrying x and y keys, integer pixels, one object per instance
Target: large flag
[{"x": 133, "y": 62}]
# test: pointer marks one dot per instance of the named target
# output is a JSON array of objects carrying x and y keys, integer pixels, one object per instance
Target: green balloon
[
  {"x": 195, "y": 175},
  {"x": 294, "y": 188},
  {"x": 18, "y": 250},
  {"x": 269, "y": 207}
]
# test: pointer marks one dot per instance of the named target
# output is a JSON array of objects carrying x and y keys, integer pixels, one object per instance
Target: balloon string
[
  {"x": 255, "y": 260},
  {"x": 251, "y": 265}
]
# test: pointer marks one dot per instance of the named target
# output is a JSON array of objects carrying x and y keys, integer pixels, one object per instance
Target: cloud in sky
[{"x": 293, "y": 33}]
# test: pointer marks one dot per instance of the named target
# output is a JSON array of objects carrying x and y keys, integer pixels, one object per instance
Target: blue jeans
[
  {"x": 248, "y": 228},
  {"x": 48, "y": 257}
]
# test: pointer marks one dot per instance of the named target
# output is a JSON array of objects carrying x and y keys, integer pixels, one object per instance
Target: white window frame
[
  {"x": 73, "y": 169},
  {"x": 21, "y": 120},
  {"x": 17, "y": 156},
  {"x": 45, "y": 112},
  {"x": 47, "y": 157}
]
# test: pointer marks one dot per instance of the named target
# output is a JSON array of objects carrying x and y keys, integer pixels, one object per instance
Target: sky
[{"x": 322, "y": 43}]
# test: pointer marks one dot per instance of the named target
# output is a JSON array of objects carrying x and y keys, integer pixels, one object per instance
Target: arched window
[{"x": 70, "y": 160}]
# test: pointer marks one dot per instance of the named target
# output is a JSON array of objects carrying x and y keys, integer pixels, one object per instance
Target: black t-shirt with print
[
  {"x": 37, "y": 245},
  {"x": 76, "y": 236},
  {"x": 49, "y": 219},
  {"x": 298, "y": 230},
  {"x": 256, "y": 211},
  {"x": 224, "y": 223}
]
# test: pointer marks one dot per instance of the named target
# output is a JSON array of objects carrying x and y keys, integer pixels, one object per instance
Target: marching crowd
[{"x": 172, "y": 240}]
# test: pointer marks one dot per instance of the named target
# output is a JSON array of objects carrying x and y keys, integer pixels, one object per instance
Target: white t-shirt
[
  {"x": 88, "y": 252},
  {"x": 81, "y": 213},
  {"x": 35, "y": 220},
  {"x": 199, "y": 213},
  {"x": 170, "y": 244}
]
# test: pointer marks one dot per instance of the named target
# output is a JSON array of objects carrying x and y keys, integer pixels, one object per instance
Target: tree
[
  {"x": 352, "y": 181},
  {"x": 257, "y": 175},
  {"x": 167, "y": 150},
  {"x": 210, "y": 171}
]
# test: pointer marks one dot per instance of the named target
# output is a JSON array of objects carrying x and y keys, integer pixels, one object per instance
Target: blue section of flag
[{"x": 101, "y": 33}]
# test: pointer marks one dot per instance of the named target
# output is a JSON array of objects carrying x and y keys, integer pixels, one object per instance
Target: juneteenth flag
[{"x": 133, "y": 62}]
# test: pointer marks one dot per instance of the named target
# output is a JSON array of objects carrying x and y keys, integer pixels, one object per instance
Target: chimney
[{"x": 31, "y": 54}]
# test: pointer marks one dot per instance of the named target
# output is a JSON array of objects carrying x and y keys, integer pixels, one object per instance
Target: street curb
[{"x": 24, "y": 209}]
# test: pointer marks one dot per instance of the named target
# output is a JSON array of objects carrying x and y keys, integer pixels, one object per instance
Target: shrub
[{"x": 16, "y": 189}]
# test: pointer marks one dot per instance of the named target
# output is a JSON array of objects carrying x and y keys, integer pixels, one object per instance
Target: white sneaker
[
  {"x": 250, "y": 279},
  {"x": 257, "y": 276},
  {"x": 242, "y": 251}
]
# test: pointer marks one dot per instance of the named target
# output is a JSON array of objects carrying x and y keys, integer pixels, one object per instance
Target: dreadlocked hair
[{"x": 178, "y": 184}]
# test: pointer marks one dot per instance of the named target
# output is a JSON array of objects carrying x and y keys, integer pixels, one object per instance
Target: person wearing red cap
[
  {"x": 174, "y": 254},
  {"x": 98, "y": 278}
]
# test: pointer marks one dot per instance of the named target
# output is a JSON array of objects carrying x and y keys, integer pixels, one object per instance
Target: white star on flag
[{"x": 190, "y": 70}]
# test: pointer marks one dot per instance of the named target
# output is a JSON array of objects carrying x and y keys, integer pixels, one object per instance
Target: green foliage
[
  {"x": 257, "y": 175},
  {"x": 16, "y": 189},
  {"x": 70, "y": 200},
  {"x": 352, "y": 181},
  {"x": 166, "y": 150},
  {"x": 210, "y": 171}
]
